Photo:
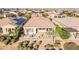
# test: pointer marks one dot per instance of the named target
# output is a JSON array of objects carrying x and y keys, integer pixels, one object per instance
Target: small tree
[
  {"x": 36, "y": 47},
  {"x": 6, "y": 42},
  {"x": 28, "y": 16},
  {"x": 2, "y": 38},
  {"x": 45, "y": 14},
  {"x": 57, "y": 43},
  {"x": 21, "y": 14},
  {"x": 50, "y": 19},
  {"x": 1, "y": 17}
]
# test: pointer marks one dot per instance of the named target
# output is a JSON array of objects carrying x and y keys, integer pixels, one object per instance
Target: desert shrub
[
  {"x": 71, "y": 46},
  {"x": 6, "y": 42},
  {"x": 1, "y": 17},
  {"x": 45, "y": 14},
  {"x": 49, "y": 47},
  {"x": 34, "y": 41},
  {"x": 28, "y": 16},
  {"x": 53, "y": 49},
  {"x": 50, "y": 19},
  {"x": 16, "y": 37},
  {"x": 57, "y": 43},
  {"x": 21, "y": 14},
  {"x": 24, "y": 45},
  {"x": 2, "y": 38},
  {"x": 40, "y": 42}
]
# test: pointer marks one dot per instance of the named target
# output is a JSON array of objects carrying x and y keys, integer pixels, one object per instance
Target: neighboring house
[
  {"x": 54, "y": 14},
  {"x": 51, "y": 14},
  {"x": 7, "y": 26},
  {"x": 38, "y": 24},
  {"x": 2, "y": 15},
  {"x": 70, "y": 24}
]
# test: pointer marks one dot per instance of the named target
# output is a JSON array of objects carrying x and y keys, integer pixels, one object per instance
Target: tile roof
[
  {"x": 39, "y": 22},
  {"x": 7, "y": 22}
]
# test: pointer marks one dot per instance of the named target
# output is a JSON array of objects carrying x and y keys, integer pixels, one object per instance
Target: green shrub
[
  {"x": 18, "y": 34},
  {"x": 24, "y": 45},
  {"x": 57, "y": 43},
  {"x": 62, "y": 33},
  {"x": 6, "y": 42},
  {"x": 28, "y": 16},
  {"x": 40, "y": 42},
  {"x": 13, "y": 40},
  {"x": 45, "y": 14},
  {"x": 34, "y": 41},
  {"x": 1, "y": 17},
  {"x": 2, "y": 38},
  {"x": 21, "y": 14}
]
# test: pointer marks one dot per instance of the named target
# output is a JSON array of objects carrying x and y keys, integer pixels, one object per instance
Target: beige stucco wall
[
  {"x": 5, "y": 31},
  {"x": 42, "y": 30},
  {"x": 34, "y": 30},
  {"x": 25, "y": 30}
]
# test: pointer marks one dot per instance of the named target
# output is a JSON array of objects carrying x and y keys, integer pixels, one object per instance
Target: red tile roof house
[
  {"x": 38, "y": 24},
  {"x": 70, "y": 24},
  {"x": 7, "y": 26}
]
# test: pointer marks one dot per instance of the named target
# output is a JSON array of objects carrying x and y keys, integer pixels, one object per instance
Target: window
[
  {"x": 9, "y": 30},
  {"x": 1, "y": 30},
  {"x": 13, "y": 30},
  {"x": 41, "y": 28},
  {"x": 49, "y": 29},
  {"x": 30, "y": 30}
]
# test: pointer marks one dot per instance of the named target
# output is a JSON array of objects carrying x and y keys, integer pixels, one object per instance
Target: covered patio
[{"x": 73, "y": 32}]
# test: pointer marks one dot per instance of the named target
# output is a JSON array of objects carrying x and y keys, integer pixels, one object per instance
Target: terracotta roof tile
[
  {"x": 6, "y": 22},
  {"x": 39, "y": 22}
]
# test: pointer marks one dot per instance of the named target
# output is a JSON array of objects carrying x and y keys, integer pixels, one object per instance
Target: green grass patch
[{"x": 62, "y": 33}]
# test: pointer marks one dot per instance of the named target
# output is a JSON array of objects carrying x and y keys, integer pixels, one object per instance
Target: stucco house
[
  {"x": 38, "y": 24},
  {"x": 70, "y": 24},
  {"x": 7, "y": 26}
]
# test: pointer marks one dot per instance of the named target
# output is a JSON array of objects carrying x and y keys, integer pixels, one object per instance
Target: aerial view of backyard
[{"x": 39, "y": 29}]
